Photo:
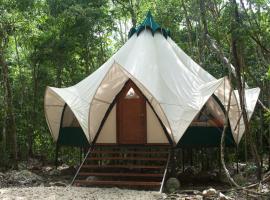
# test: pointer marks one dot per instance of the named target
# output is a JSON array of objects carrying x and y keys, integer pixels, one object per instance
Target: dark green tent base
[
  {"x": 198, "y": 136},
  {"x": 72, "y": 136},
  {"x": 195, "y": 136}
]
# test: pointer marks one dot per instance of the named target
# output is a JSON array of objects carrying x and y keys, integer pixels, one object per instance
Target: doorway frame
[{"x": 130, "y": 84}]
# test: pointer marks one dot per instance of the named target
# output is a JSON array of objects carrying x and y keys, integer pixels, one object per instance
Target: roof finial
[
  {"x": 149, "y": 23},
  {"x": 149, "y": 14}
]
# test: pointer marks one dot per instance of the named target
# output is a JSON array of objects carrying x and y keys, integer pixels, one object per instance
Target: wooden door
[{"x": 131, "y": 115}]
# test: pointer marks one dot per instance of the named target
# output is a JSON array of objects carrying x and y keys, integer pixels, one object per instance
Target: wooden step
[
  {"x": 116, "y": 183},
  {"x": 128, "y": 152},
  {"x": 127, "y": 158},
  {"x": 123, "y": 166},
  {"x": 120, "y": 174}
]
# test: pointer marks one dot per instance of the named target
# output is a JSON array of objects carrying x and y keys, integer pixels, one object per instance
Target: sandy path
[{"x": 70, "y": 193}]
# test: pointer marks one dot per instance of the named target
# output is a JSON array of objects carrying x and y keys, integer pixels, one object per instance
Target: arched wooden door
[{"x": 131, "y": 115}]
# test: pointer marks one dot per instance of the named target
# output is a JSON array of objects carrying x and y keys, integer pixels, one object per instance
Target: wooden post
[
  {"x": 81, "y": 152},
  {"x": 219, "y": 161},
  {"x": 207, "y": 158},
  {"x": 202, "y": 159},
  {"x": 56, "y": 155},
  {"x": 191, "y": 156},
  {"x": 237, "y": 161},
  {"x": 183, "y": 160},
  {"x": 173, "y": 166}
]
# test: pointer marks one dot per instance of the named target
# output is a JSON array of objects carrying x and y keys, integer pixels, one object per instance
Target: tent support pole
[
  {"x": 219, "y": 161},
  {"x": 81, "y": 152},
  {"x": 202, "y": 159},
  {"x": 237, "y": 160},
  {"x": 57, "y": 144},
  {"x": 191, "y": 156},
  {"x": 207, "y": 159},
  {"x": 172, "y": 159},
  {"x": 183, "y": 160}
]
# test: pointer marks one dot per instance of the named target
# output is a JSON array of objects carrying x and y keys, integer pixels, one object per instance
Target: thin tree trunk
[
  {"x": 3, "y": 145},
  {"x": 189, "y": 26},
  {"x": 261, "y": 135},
  {"x": 222, "y": 141},
  {"x": 11, "y": 136},
  {"x": 132, "y": 10},
  {"x": 239, "y": 63},
  {"x": 269, "y": 127},
  {"x": 33, "y": 111}
]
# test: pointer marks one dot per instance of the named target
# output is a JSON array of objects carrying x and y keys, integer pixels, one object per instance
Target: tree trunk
[
  {"x": 239, "y": 63},
  {"x": 222, "y": 142},
  {"x": 11, "y": 137},
  {"x": 132, "y": 10},
  {"x": 261, "y": 144},
  {"x": 189, "y": 26},
  {"x": 33, "y": 111},
  {"x": 269, "y": 127}
]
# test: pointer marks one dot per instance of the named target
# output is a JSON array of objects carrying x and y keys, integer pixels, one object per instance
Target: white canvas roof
[{"x": 173, "y": 83}]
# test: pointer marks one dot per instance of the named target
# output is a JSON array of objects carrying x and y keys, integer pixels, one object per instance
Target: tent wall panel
[
  {"x": 69, "y": 119},
  {"x": 72, "y": 136},
  {"x": 108, "y": 131},
  {"x": 155, "y": 133},
  {"x": 53, "y": 106},
  {"x": 198, "y": 136}
]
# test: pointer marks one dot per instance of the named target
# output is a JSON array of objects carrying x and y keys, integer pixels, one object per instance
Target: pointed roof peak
[
  {"x": 149, "y": 14},
  {"x": 149, "y": 23}
]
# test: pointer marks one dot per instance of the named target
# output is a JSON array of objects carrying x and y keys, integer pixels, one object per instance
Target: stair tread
[
  {"x": 118, "y": 183},
  {"x": 125, "y": 166},
  {"x": 128, "y": 152},
  {"x": 120, "y": 174},
  {"x": 127, "y": 158}
]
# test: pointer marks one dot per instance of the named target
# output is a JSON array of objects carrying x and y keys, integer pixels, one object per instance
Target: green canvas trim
[
  {"x": 149, "y": 23},
  {"x": 72, "y": 136},
  {"x": 196, "y": 136}
]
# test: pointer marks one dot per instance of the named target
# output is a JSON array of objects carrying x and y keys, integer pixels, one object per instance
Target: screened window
[{"x": 131, "y": 94}]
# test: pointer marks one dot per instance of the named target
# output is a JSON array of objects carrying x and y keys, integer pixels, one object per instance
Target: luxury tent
[{"x": 148, "y": 92}]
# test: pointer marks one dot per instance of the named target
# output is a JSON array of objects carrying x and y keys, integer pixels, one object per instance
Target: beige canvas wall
[
  {"x": 108, "y": 132},
  {"x": 155, "y": 133}
]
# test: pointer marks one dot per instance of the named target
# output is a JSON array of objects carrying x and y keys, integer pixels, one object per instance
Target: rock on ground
[
  {"x": 63, "y": 193},
  {"x": 209, "y": 193},
  {"x": 172, "y": 184},
  {"x": 23, "y": 177}
]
